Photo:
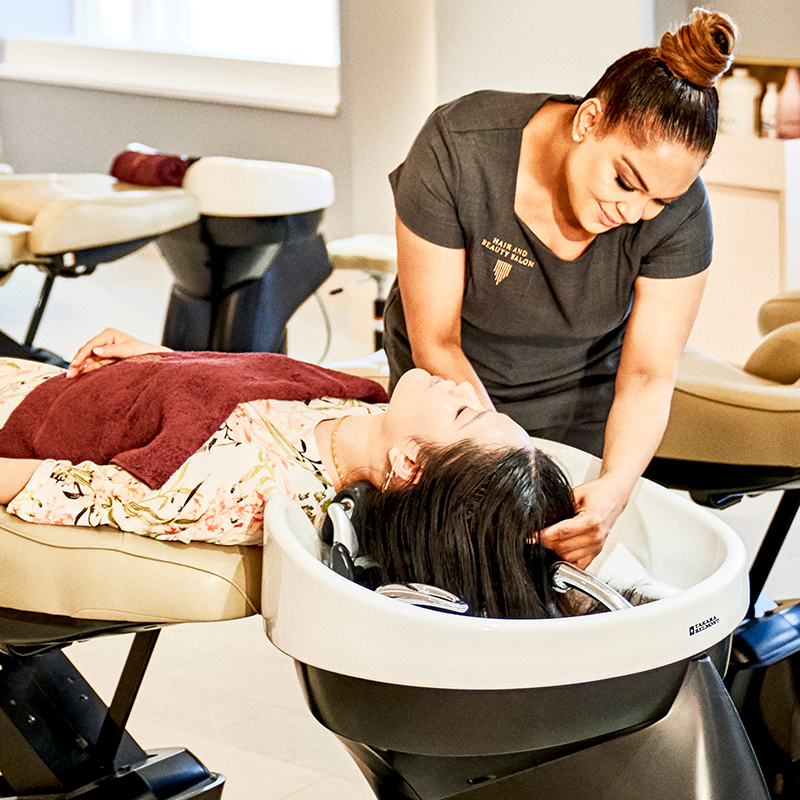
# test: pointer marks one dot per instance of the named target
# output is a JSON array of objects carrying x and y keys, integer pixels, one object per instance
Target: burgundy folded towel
[
  {"x": 149, "y": 413},
  {"x": 150, "y": 169}
]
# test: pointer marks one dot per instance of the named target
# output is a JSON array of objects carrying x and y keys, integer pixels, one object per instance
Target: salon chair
[
  {"x": 735, "y": 432},
  {"x": 431, "y": 705},
  {"x": 66, "y": 225},
  {"x": 240, "y": 237},
  {"x": 62, "y": 585}
]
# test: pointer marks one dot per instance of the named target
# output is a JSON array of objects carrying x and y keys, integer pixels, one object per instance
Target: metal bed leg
[{"x": 771, "y": 544}]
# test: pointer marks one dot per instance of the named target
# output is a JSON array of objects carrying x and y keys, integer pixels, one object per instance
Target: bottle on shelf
[
  {"x": 788, "y": 110},
  {"x": 769, "y": 111},
  {"x": 739, "y": 111}
]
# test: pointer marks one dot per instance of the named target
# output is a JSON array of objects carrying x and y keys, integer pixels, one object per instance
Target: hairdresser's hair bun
[{"x": 702, "y": 49}]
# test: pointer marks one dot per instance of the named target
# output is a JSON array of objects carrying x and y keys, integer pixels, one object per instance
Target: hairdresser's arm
[
  {"x": 14, "y": 475},
  {"x": 661, "y": 318},
  {"x": 431, "y": 282},
  {"x": 107, "y": 347}
]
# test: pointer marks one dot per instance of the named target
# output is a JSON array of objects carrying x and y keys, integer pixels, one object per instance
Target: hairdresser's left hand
[{"x": 580, "y": 538}]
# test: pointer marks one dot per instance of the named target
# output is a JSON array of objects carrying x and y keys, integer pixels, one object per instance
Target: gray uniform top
[{"x": 543, "y": 334}]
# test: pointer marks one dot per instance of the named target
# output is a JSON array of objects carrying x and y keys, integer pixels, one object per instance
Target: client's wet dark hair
[{"x": 469, "y": 522}]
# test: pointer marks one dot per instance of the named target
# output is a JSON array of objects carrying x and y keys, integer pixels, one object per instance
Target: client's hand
[
  {"x": 107, "y": 347},
  {"x": 580, "y": 538}
]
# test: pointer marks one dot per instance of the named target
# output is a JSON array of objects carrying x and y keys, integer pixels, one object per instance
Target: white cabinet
[{"x": 754, "y": 191}]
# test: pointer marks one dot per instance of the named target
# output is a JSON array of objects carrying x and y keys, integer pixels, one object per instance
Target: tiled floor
[
  {"x": 132, "y": 294},
  {"x": 221, "y": 689},
  {"x": 223, "y": 692}
]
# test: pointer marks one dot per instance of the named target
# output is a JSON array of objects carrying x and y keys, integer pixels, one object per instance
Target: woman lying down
[{"x": 187, "y": 447}]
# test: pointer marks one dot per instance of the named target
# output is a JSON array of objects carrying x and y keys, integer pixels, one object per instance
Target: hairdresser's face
[
  {"x": 611, "y": 181},
  {"x": 442, "y": 412}
]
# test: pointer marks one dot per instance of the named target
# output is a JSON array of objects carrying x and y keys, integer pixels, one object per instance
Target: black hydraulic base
[
  {"x": 697, "y": 751},
  {"x": 50, "y": 723},
  {"x": 58, "y": 739},
  {"x": 170, "y": 774},
  {"x": 763, "y": 681},
  {"x": 239, "y": 280}
]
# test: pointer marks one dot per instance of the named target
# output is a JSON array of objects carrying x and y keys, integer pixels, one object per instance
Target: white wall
[
  {"x": 389, "y": 88},
  {"x": 399, "y": 59},
  {"x": 768, "y": 29},
  {"x": 534, "y": 45}
]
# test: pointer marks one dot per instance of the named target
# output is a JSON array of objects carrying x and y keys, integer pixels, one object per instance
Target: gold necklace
[{"x": 333, "y": 449}]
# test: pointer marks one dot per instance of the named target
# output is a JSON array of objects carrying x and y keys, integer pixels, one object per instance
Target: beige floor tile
[
  {"x": 334, "y": 789},
  {"x": 293, "y": 736}
]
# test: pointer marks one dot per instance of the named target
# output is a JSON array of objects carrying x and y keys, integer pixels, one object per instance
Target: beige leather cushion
[
  {"x": 75, "y": 212},
  {"x": 102, "y": 573},
  {"x": 13, "y": 245},
  {"x": 373, "y": 253},
  {"x": 724, "y": 415},
  {"x": 777, "y": 358},
  {"x": 781, "y": 310}
]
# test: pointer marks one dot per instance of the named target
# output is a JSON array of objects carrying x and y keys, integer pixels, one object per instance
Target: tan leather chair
[
  {"x": 66, "y": 225},
  {"x": 735, "y": 431},
  {"x": 60, "y": 585}
]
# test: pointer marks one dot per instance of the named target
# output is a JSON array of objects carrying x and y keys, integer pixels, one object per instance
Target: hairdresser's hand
[
  {"x": 107, "y": 347},
  {"x": 580, "y": 538}
]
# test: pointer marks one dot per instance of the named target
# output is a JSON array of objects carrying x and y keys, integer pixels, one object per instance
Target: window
[
  {"x": 287, "y": 31},
  {"x": 273, "y": 53}
]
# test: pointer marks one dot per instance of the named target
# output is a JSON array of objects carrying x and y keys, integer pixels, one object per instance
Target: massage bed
[{"x": 617, "y": 705}]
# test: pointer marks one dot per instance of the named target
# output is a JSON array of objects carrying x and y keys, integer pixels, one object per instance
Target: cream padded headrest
[
  {"x": 123, "y": 215},
  {"x": 78, "y": 212},
  {"x": 22, "y": 197},
  {"x": 777, "y": 358},
  {"x": 722, "y": 414},
  {"x": 777, "y": 311},
  {"x": 238, "y": 187},
  {"x": 373, "y": 253},
  {"x": 13, "y": 245}
]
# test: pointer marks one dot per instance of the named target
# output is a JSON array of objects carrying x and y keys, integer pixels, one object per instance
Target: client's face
[{"x": 442, "y": 412}]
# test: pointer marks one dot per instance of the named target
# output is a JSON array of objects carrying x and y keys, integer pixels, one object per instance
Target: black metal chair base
[{"x": 59, "y": 740}]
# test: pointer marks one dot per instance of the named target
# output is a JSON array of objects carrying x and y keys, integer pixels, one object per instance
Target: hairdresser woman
[{"x": 552, "y": 251}]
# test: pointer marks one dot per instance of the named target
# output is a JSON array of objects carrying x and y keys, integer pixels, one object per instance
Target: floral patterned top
[{"x": 218, "y": 493}]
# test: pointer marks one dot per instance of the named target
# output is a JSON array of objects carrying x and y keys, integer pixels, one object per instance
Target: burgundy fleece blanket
[
  {"x": 150, "y": 169},
  {"x": 149, "y": 413}
]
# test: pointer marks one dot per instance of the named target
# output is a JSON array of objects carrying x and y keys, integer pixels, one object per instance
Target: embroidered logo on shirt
[
  {"x": 509, "y": 255},
  {"x": 501, "y": 270}
]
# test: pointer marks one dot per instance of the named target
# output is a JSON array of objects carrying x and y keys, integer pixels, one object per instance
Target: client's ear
[{"x": 403, "y": 462}]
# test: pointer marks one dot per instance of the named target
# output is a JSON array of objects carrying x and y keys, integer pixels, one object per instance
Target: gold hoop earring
[{"x": 389, "y": 475}]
